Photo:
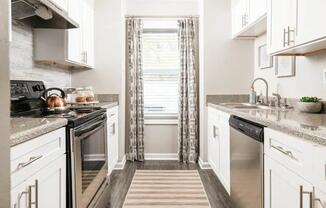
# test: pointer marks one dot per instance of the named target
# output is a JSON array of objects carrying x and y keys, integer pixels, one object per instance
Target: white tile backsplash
[{"x": 22, "y": 65}]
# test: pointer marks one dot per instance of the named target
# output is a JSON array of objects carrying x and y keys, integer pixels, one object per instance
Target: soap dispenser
[{"x": 253, "y": 96}]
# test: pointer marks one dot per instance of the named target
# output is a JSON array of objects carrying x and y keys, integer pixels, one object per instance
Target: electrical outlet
[{"x": 324, "y": 76}]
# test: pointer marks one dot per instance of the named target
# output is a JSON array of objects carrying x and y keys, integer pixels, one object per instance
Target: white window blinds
[{"x": 161, "y": 71}]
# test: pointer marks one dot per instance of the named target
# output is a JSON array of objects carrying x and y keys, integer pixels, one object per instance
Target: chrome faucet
[
  {"x": 278, "y": 99},
  {"x": 266, "y": 84}
]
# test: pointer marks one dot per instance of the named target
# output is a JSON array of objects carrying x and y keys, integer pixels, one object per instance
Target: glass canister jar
[{"x": 84, "y": 95}]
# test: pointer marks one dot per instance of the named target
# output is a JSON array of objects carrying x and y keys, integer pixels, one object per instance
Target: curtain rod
[{"x": 167, "y": 16}]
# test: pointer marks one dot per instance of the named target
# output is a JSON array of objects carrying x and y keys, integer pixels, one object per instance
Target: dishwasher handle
[{"x": 249, "y": 128}]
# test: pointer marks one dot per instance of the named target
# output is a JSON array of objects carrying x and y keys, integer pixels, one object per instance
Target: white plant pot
[{"x": 309, "y": 107}]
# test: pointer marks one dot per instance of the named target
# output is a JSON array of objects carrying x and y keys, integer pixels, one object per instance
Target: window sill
[{"x": 158, "y": 121}]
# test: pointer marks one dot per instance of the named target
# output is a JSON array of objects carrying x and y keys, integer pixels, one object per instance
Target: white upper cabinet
[
  {"x": 88, "y": 32},
  {"x": 293, "y": 27},
  {"x": 310, "y": 13},
  {"x": 248, "y": 18},
  {"x": 74, "y": 42},
  {"x": 73, "y": 47},
  {"x": 258, "y": 9},
  {"x": 62, "y": 4},
  {"x": 281, "y": 24}
]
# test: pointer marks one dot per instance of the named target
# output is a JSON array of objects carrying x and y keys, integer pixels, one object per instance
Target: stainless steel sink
[{"x": 245, "y": 106}]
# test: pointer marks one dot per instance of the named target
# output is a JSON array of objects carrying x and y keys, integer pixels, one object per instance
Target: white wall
[
  {"x": 161, "y": 139},
  {"x": 226, "y": 65},
  {"x": 308, "y": 79},
  {"x": 162, "y": 7},
  {"x": 108, "y": 75},
  {"x": 4, "y": 110},
  {"x": 22, "y": 65}
]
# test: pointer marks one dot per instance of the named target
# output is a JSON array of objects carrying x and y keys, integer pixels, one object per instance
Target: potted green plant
[{"x": 310, "y": 105}]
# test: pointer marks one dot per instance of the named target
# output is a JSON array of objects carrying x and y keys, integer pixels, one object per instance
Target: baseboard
[
  {"x": 161, "y": 156},
  {"x": 204, "y": 165},
  {"x": 94, "y": 157},
  {"x": 120, "y": 164}
]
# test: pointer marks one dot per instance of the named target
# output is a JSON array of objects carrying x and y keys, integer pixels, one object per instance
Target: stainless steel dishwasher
[{"x": 247, "y": 163}]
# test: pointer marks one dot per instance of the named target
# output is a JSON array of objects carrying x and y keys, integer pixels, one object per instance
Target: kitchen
[{"x": 255, "y": 62}]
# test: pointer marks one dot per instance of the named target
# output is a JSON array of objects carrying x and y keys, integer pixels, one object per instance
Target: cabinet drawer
[
  {"x": 319, "y": 169},
  {"x": 213, "y": 115},
  {"x": 31, "y": 156},
  {"x": 112, "y": 112},
  {"x": 294, "y": 153}
]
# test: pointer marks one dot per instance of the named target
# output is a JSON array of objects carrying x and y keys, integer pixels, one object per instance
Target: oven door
[{"x": 91, "y": 165}]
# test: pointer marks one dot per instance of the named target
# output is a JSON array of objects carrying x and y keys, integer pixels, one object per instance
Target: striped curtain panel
[
  {"x": 135, "y": 89},
  {"x": 188, "y": 139}
]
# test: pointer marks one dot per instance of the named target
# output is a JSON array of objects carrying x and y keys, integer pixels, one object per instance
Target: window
[{"x": 160, "y": 71}]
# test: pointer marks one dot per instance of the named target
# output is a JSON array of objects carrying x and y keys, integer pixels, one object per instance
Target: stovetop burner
[{"x": 26, "y": 102}]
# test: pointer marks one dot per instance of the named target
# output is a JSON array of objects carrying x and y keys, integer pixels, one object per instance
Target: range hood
[{"x": 41, "y": 14}]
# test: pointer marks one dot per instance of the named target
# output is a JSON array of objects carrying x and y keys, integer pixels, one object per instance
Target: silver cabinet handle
[
  {"x": 317, "y": 200},
  {"x": 215, "y": 131},
  {"x": 325, "y": 172},
  {"x": 111, "y": 115},
  {"x": 30, "y": 161},
  {"x": 112, "y": 129},
  {"x": 284, "y": 37},
  {"x": 289, "y": 35},
  {"x": 30, "y": 202},
  {"x": 285, "y": 152},
  {"x": 310, "y": 197},
  {"x": 246, "y": 19},
  {"x": 320, "y": 202},
  {"x": 20, "y": 196}
]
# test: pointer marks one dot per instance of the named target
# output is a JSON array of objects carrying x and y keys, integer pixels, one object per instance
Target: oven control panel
[{"x": 21, "y": 90}]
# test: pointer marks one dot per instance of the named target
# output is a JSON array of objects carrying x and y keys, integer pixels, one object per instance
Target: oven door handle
[{"x": 89, "y": 130}]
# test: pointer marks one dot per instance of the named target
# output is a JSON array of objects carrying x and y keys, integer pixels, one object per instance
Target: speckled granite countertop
[
  {"x": 24, "y": 129},
  {"x": 106, "y": 104},
  {"x": 311, "y": 127}
]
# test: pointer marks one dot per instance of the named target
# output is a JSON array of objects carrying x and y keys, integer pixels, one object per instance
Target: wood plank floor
[{"x": 121, "y": 180}]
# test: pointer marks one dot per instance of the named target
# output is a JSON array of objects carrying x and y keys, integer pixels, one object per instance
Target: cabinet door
[
  {"x": 281, "y": 23},
  {"x": 257, "y": 9},
  {"x": 225, "y": 153},
  {"x": 49, "y": 185},
  {"x": 239, "y": 15},
  {"x": 88, "y": 32},
  {"x": 213, "y": 140},
  {"x": 319, "y": 167},
  {"x": 310, "y": 13},
  {"x": 113, "y": 138},
  {"x": 283, "y": 188},
  {"x": 20, "y": 196},
  {"x": 75, "y": 35},
  {"x": 319, "y": 199},
  {"x": 62, "y": 4}
]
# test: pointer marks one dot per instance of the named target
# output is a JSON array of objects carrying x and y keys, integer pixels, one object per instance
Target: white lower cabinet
[
  {"x": 295, "y": 172},
  {"x": 319, "y": 199},
  {"x": 283, "y": 188},
  {"x": 38, "y": 176},
  {"x": 113, "y": 137},
  {"x": 51, "y": 184},
  {"x": 219, "y": 145}
]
